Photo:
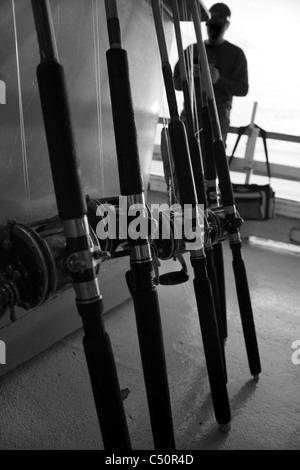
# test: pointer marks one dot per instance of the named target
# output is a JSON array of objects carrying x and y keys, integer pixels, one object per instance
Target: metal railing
[
  {"x": 284, "y": 206},
  {"x": 286, "y": 172}
]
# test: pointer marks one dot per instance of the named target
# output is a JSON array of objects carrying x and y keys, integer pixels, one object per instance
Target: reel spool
[
  {"x": 170, "y": 247},
  {"x": 34, "y": 264},
  {"x": 218, "y": 224}
]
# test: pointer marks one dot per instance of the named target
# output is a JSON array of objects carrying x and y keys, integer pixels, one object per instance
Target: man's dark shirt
[{"x": 231, "y": 62}]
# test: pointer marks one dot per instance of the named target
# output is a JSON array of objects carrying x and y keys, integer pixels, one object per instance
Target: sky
[{"x": 268, "y": 33}]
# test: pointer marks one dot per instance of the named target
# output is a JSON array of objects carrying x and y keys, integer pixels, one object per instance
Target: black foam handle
[
  {"x": 198, "y": 171},
  {"x": 70, "y": 198},
  {"x": 219, "y": 264},
  {"x": 151, "y": 344},
  {"x": 246, "y": 312},
  {"x": 207, "y": 145},
  {"x": 107, "y": 394},
  {"x": 223, "y": 173},
  {"x": 211, "y": 343},
  {"x": 170, "y": 90},
  {"x": 103, "y": 376},
  {"x": 194, "y": 147},
  {"x": 188, "y": 108},
  {"x": 212, "y": 274},
  {"x": 182, "y": 162},
  {"x": 130, "y": 174}
]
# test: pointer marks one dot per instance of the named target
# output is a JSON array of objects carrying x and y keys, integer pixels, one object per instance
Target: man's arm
[{"x": 237, "y": 84}]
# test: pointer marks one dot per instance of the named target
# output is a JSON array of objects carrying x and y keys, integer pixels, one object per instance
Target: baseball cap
[{"x": 220, "y": 14}]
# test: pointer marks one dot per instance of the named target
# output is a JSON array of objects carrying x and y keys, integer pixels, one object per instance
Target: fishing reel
[
  {"x": 164, "y": 230},
  {"x": 214, "y": 230},
  {"x": 35, "y": 265},
  {"x": 109, "y": 219}
]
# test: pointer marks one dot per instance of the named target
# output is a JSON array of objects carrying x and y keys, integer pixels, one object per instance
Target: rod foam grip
[
  {"x": 182, "y": 162},
  {"x": 107, "y": 394},
  {"x": 151, "y": 343},
  {"x": 170, "y": 90},
  {"x": 64, "y": 162},
  {"x": 154, "y": 366},
  {"x": 207, "y": 145},
  {"x": 211, "y": 344},
  {"x": 223, "y": 173},
  {"x": 246, "y": 312},
  {"x": 130, "y": 174},
  {"x": 219, "y": 264},
  {"x": 212, "y": 274},
  {"x": 198, "y": 172}
]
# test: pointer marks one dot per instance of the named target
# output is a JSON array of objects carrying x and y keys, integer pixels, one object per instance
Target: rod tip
[
  {"x": 256, "y": 378},
  {"x": 225, "y": 427}
]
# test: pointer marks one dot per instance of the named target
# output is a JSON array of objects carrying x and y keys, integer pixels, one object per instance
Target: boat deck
[{"x": 47, "y": 402}]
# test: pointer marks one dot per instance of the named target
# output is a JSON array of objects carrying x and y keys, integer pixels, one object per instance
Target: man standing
[{"x": 228, "y": 65}]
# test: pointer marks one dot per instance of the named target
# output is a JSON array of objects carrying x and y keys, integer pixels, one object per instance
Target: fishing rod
[
  {"x": 72, "y": 210},
  {"x": 228, "y": 202},
  {"x": 193, "y": 143},
  {"x": 215, "y": 257},
  {"x": 188, "y": 196},
  {"x": 215, "y": 260},
  {"x": 140, "y": 277},
  {"x": 198, "y": 169}
]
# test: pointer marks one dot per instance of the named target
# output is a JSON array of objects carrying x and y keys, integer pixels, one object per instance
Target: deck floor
[{"x": 47, "y": 402}]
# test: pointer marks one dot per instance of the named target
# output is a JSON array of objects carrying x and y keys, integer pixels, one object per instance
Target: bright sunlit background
[{"x": 268, "y": 33}]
